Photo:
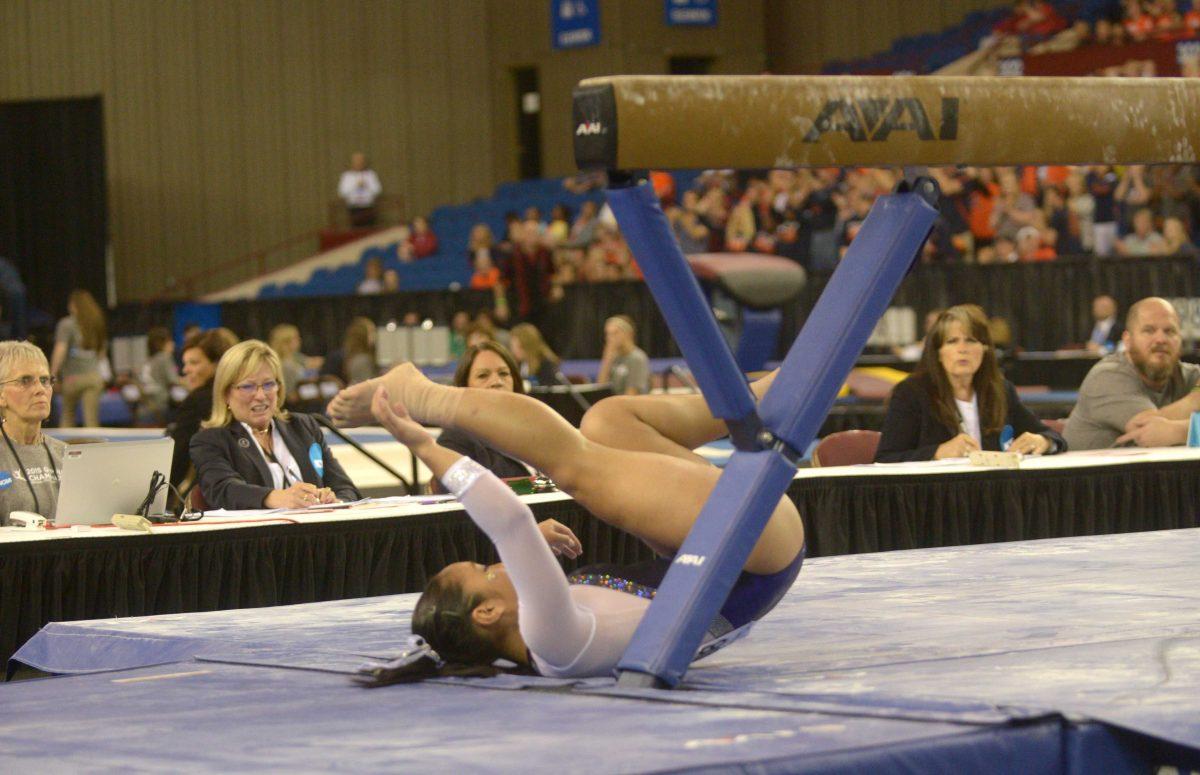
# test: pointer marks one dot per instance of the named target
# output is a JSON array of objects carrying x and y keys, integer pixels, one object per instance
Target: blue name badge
[
  {"x": 318, "y": 460},
  {"x": 6, "y": 480}
]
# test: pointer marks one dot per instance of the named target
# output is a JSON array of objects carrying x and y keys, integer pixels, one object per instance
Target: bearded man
[{"x": 1142, "y": 395}]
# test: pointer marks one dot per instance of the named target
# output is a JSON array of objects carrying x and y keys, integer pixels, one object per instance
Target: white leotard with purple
[{"x": 571, "y": 630}]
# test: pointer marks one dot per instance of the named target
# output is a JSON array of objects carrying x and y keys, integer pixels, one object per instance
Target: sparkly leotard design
[{"x": 613, "y": 582}]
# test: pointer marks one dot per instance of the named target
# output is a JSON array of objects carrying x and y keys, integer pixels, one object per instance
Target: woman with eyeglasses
[
  {"x": 29, "y": 460},
  {"x": 253, "y": 454}
]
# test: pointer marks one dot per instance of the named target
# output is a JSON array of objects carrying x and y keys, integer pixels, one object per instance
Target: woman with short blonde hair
[
  {"x": 252, "y": 454},
  {"x": 285, "y": 341},
  {"x": 242, "y": 359},
  {"x": 30, "y": 461}
]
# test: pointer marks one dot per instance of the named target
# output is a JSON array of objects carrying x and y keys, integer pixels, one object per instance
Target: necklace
[{"x": 37, "y": 505}]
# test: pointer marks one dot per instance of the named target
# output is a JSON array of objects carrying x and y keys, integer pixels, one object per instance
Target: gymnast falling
[{"x": 641, "y": 478}]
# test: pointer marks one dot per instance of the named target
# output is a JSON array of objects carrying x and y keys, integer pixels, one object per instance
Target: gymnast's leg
[
  {"x": 651, "y": 496},
  {"x": 668, "y": 424}
]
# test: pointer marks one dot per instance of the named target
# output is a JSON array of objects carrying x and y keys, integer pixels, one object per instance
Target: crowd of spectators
[
  {"x": 538, "y": 255},
  {"x": 1102, "y": 22},
  {"x": 988, "y": 215},
  {"x": 1038, "y": 27}
]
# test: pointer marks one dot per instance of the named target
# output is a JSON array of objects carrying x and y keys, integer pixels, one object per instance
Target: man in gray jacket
[{"x": 1132, "y": 396}]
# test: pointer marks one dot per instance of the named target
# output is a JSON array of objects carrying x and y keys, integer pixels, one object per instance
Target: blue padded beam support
[
  {"x": 681, "y": 301},
  {"x": 836, "y": 331},
  {"x": 716, "y": 549},
  {"x": 706, "y": 567}
]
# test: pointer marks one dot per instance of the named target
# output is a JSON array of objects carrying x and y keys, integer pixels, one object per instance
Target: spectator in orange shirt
[
  {"x": 1168, "y": 23},
  {"x": 1031, "y": 247},
  {"x": 664, "y": 187},
  {"x": 487, "y": 274},
  {"x": 1191, "y": 22},
  {"x": 982, "y": 193},
  {"x": 1138, "y": 24}
]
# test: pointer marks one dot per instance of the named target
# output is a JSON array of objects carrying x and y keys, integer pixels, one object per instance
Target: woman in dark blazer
[
  {"x": 201, "y": 353},
  {"x": 490, "y": 366},
  {"x": 957, "y": 401},
  {"x": 252, "y": 454}
]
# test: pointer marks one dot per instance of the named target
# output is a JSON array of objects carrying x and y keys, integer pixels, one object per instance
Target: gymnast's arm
[{"x": 552, "y": 625}]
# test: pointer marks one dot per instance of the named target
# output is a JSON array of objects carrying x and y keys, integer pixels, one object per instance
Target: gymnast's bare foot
[
  {"x": 351, "y": 407},
  {"x": 427, "y": 401}
]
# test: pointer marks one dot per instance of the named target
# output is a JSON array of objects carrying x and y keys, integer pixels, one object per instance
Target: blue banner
[
  {"x": 574, "y": 23},
  {"x": 691, "y": 13},
  {"x": 188, "y": 313}
]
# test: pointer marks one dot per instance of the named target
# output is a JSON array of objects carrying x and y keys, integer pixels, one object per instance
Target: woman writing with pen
[
  {"x": 957, "y": 401},
  {"x": 254, "y": 455}
]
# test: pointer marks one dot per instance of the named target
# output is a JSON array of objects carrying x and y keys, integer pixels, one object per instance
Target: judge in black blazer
[
  {"x": 201, "y": 354},
  {"x": 488, "y": 366},
  {"x": 957, "y": 400},
  {"x": 254, "y": 455}
]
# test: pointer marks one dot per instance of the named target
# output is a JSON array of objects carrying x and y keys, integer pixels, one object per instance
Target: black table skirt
[
  {"x": 138, "y": 575},
  {"x": 848, "y": 515}
]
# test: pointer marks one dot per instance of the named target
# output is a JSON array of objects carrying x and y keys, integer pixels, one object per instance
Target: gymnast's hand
[
  {"x": 395, "y": 418},
  {"x": 562, "y": 541}
]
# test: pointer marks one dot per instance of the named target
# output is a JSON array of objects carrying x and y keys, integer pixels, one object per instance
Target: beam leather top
[{"x": 746, "y": 122}]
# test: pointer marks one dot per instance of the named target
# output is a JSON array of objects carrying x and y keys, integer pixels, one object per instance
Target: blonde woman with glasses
[
  {"x": 253, "y": 454},
  {"x": 29, "y": 460}
]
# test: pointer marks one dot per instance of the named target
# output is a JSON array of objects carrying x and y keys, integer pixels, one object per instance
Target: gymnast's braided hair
[
  {"x": 451, "y": 645},
  {"x": 443, "y": 618}
]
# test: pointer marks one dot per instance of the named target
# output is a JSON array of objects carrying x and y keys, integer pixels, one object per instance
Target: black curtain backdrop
[
  {"x": 53, "y": 206},
  {"x": 1048, "y": 305}
]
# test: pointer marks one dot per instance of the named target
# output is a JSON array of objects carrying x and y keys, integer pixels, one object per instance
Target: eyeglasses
[
  {"x": 248, "y": 389},
  {"x": 28, "y": 381}
]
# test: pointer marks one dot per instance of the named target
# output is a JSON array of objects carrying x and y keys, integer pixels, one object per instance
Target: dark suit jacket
[
  {"x": 233, "y": 475},
  {"x": 185, "y": 423},
  {"x": 493, "y": 460},
  {"x": 911, "y": 431}
]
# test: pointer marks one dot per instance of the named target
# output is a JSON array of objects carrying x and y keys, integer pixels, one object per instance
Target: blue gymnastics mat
[{"x": 1067, "y": 655}]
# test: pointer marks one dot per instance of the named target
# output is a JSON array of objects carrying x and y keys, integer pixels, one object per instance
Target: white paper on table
[{"x": 236, "y": 514}]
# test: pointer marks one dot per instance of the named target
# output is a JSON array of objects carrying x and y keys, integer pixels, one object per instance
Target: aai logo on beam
[
  {"x": 875, "y": 119},
  {"x": 574, "y": 23}
]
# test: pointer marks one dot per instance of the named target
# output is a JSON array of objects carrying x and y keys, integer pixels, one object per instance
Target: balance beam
[{"x": 752, "y": 122}]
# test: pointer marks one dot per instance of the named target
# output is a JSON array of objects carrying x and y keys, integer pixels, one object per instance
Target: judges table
[{"x": 395, "y": 545}]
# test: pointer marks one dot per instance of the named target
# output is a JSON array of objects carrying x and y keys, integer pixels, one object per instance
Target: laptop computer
[{"x": 112, "y": 477}]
